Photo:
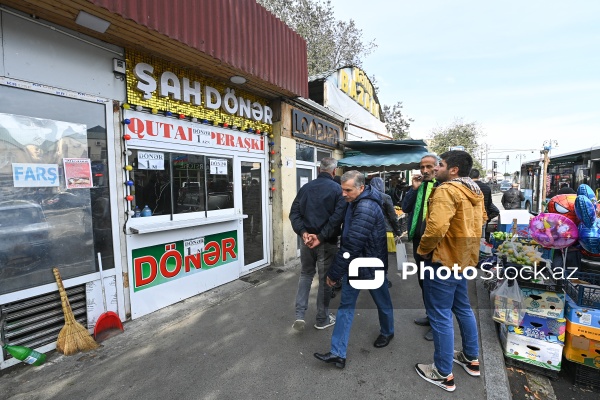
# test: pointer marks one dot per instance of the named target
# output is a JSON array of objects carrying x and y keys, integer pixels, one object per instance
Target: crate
[
  {"x": 582, "y": 375},
  {"x": 511, "y": 362},
  {"x": 547, "y": 254},
  {"x": 587, "y": 295}
]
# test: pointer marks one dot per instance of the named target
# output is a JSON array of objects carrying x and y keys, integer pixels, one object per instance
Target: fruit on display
[
  {"x": 519, "y": 253},
  {"x": 502, "y": 235}
]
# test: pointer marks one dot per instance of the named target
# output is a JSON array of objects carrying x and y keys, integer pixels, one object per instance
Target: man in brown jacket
[{"x": 455, "y": 216}]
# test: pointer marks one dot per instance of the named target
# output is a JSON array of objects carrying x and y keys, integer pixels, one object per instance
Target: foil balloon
[
  {"x": 554, "y": 231},
  {"x": 589, "y": 237},
  {"x": 564, "y": 204},
  {"x": 585, "y": 210},
  {"x": 585, "y": 190}
]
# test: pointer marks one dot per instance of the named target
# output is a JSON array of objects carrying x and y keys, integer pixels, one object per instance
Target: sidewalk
[{"x": 236, "y": 342}]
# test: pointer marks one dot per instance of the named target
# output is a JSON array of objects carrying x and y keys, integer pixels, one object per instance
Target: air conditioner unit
[{"x": 98, "y": 143}]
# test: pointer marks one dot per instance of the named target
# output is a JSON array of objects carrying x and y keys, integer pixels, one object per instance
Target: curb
[{"x": 497, "y": 386}]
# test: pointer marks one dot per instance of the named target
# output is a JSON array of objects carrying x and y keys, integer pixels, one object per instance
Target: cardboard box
[
  {"x": 505, "y": 222},
  {"x": 531, "y": 351},
  {"x": 582, "y": 350},
  {"x": 544, "y": 304},
  {"x": 582, "y": 321},
  {"x": 541, "y": 328}
]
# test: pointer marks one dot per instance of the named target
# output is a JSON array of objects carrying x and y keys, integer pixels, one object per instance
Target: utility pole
[{"x": 546, "y": 151}]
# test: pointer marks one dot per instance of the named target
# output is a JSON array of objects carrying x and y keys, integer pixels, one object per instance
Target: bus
[{"x": 572, "y": 168}]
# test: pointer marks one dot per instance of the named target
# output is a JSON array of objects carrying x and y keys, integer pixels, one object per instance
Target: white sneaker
[
  {"x": 430, "y": 373},
  {"x": 328, "y": 324},
  {"x": 299, "y": 325}
]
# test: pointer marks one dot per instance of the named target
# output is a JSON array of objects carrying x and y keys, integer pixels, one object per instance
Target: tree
[
  {"x": 396, "y": 123},
  {"x": 458, "y": 134},
  {"x": 330, "y": 43}
]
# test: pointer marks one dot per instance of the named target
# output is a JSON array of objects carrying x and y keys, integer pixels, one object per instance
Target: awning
[{"x": 385, "y": 155}]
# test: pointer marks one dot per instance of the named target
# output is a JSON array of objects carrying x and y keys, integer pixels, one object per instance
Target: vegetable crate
[{"x": 584, "y": 289}]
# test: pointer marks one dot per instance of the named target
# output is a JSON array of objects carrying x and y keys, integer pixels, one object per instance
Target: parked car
[
  {"x": 505, "y": 185},
  {"x": 24, "y": 231}
]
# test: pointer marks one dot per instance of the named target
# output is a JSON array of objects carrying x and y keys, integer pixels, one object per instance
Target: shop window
[
  {"x": 54, "y": 196},
  {"x": 305, "y": 152},
  {"x": 179, "y": 183},
  {"x": 321, "y": 154}
]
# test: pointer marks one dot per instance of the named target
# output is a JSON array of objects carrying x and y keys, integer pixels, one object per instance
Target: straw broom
[{"x": 73, "y": 337}]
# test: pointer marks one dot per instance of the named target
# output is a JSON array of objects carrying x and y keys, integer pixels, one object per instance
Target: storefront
[{"x": 134, "y": 160}]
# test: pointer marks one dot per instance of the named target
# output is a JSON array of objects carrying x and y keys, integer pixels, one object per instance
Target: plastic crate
[
  {"x": 582, "y": 375},
  {"x": 582, "y": 294}
]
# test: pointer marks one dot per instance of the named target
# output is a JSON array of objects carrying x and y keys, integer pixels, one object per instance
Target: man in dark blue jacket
[
  {"x": 316, "y": 215},
  {"x": 363, "y": 236}
]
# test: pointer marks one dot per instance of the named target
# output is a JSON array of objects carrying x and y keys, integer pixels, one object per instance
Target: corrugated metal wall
[{"x": 240, "y": 33}]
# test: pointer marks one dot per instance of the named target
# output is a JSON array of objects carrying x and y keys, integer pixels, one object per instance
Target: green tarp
[{"x": 389, "y": 155}]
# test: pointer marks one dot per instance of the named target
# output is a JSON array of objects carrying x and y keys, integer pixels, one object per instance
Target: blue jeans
[
  {"x": 442, "y": 298},
  {"x": 319, "y": 258},
  {"x": 345, "y": 315}
]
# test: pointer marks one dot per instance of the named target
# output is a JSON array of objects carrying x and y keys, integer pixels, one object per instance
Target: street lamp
[{"x": 550, "y": 144}]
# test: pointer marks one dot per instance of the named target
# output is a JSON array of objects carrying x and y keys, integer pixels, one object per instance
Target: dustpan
[{"x": 109, "y": 323}]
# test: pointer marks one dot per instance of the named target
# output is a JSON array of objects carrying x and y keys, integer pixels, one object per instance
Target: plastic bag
[
  {"x": 401, "y": 256},
  {"x": 507, "y": 301}
]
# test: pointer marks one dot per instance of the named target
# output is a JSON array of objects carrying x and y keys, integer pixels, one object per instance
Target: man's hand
[
  {"x": 306, "y": 238},
  {"x": 329, "y": 282},
  {"x": 416, "y": 181},
  {"x": 314, "y": 241}
]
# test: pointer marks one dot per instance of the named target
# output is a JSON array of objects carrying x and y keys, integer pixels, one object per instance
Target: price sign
[{"x": 218, "y": 166}]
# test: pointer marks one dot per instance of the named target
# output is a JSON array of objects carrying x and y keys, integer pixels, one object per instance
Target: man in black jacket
[
  {"x": 512, "y": 198},
  {"x": 316, "y": 215},
  {"x": 491, "y": 210}
]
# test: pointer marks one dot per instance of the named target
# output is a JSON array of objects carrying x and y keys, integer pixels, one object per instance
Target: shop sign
[
  {"x": 356, "y": 84},
  {"x": 316, "y": 130},
  {"x": 184, "y": 90},
  {"x": 145, "y": 128},
  {"x": 35, "y": 175},
  {"x": 166, "y": 262}
]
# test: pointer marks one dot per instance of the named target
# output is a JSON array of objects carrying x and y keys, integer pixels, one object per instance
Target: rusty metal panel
[{"x": 239, "y": 33}]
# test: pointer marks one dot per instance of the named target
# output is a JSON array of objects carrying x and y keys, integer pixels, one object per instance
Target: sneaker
[
  {"x": 327, "y": 324},
  {"x": 430, "y": 373},
  {"x": 299, "y": 325},
  {"x": 471, "y": 366}
]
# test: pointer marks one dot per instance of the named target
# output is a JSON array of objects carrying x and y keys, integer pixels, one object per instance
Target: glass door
[
  {"x": 255, "y": 231},
  {"x": 303, "y": 176}
]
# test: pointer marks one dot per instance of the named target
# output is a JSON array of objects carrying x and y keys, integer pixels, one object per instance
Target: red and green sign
[{"x": 166, "y": 262}]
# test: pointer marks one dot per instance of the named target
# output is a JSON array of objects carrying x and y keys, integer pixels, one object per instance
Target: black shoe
[
  {"x": 429, "y": 335},
  {"x": 383, "y": 341},
  {"x": 389, "y": 284},
  {"x": 330, "y": 358},
  {"x": 422, "y": 321}
]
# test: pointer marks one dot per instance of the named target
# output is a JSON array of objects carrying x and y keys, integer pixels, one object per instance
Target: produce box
[
  {"x": 543, "y": 303},
  {"x": 532, "y": 351},
  {"x": 582, "y": 321},
  {"x": 541, "y": 328},
  {"x": 582, "y": 350},
  {"x": 584, "y": 289}
]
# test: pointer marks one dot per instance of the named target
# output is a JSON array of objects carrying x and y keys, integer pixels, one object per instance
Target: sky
[{"x": 526, "y": 72}]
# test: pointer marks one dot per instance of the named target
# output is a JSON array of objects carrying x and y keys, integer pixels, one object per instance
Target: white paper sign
[
  {"x": 218, "y": 166},
  {"x": 303, "y": 180},
  {"x": 193, "y": 246},
  {"x": 148, "y": 160},
  {"x": 35, "y": 175}
]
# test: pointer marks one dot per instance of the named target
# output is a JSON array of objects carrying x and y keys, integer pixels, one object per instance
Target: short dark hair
[
  {"x": 474, "y": 174},
  {"x": 460, "y": 159}
]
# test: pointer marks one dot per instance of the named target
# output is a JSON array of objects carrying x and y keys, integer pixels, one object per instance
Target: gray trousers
[{"x": 313, "y": 260}]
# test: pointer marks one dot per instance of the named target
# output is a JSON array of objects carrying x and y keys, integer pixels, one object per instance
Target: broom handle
[
  {"x": 63, "y": 297},
  {"x": 102, "y": 282}
]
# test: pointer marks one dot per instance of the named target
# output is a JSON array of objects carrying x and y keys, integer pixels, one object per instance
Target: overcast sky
[{"x": 526, "y": 71}]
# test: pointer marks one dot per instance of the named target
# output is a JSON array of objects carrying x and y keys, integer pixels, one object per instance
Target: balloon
[
  {"x": 585, "y": 190},
  {"x": 585, "y": 210},
  {"x": 589, "y": 237},
  {"x": 554, "y": 231},
  {"x": 564, "y": 204}
]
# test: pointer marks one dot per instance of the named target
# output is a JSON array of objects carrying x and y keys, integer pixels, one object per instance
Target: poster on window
[
  {"x": 147, "y": 160},
  {"x": 218, "y": 166},
  {"x": 78, "y": 173}
]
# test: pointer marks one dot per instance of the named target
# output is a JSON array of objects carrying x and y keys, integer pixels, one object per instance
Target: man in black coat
[
  {"x": 491, "y": 210},
  {"x": 512, "y": 198}
]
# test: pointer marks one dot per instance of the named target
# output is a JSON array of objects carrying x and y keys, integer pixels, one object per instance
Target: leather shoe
[
  {"x": 330, "y": 358},
  {"x": 383, "y": 341},
  {"x": 422, "y": 321},
  {"x": 429, "y": 335}
]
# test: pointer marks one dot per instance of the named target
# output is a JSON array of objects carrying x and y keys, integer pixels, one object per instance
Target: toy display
[
  {"x": 585, "y": 210},
  {"x": 554, "y": 231},
  {"x": 564, "y": 204}
]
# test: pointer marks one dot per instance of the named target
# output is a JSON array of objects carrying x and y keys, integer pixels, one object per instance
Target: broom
[{"x": 73, "y": 337}]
